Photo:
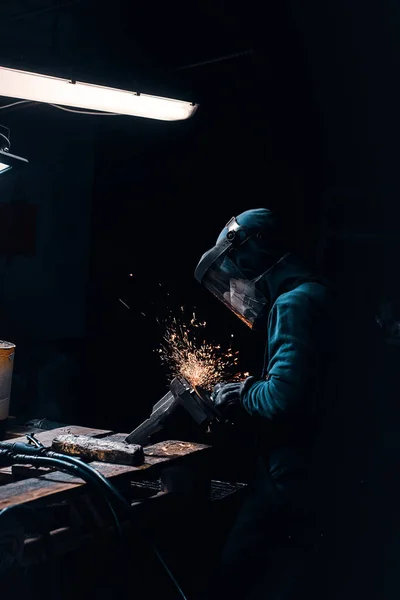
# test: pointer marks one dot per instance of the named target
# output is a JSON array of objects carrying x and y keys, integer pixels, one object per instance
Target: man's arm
[{"x": 293, "y": 327}]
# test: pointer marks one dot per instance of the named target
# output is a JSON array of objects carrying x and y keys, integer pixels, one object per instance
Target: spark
[
  {"x": 124, "y": 303},
  {"x": 202, "y": 363}
]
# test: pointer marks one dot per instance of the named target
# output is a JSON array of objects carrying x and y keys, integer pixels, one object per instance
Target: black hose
[
  {"x": 70, "y": 468},
  {"x": 70, "y": 464},
  {"x": 25, "y": 449},
  {"x": 112, "y": 490},
  {"x": 109, "y": 487}
]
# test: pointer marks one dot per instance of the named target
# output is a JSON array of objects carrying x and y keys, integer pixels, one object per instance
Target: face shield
[
  {"x": 239, "y": 294},
  {"x": 220, "y": 275}
]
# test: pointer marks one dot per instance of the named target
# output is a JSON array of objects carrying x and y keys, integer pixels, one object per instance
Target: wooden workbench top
[{"x": 55, "y": 484}]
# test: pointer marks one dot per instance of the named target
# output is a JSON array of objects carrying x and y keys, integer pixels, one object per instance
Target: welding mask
[{"x": 229, "y": 272}]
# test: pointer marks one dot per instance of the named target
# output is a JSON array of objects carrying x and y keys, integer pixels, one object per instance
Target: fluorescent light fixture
[
  {"x": 8, "y": 161},
  {"x": 53, "y": 90},
  {"x": 4, "y": 168}
]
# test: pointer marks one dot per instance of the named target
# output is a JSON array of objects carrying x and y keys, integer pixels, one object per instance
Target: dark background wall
[
  {"x": 303, "y": 118},
  {"x": 44, "y": 278}
]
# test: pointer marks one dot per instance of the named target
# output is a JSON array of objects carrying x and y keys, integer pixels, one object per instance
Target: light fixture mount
[{"x": 11, "y": 161}]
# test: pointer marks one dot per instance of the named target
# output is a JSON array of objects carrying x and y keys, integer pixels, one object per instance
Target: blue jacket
[{"x": 288, "y": 400}]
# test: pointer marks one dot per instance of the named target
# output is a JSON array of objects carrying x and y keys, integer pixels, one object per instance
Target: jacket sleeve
[{"x": 292, "y": 332}]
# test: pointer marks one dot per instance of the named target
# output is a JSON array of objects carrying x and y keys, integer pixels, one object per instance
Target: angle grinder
[{"x": 196, "y": 401}]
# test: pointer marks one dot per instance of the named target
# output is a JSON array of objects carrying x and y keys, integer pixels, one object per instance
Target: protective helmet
[{"x": 235, "y": 270}]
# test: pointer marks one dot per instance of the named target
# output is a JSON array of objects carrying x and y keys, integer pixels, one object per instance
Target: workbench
[
  {"x": 24, "y": 485},
  {"x": 77, "y": 518}
]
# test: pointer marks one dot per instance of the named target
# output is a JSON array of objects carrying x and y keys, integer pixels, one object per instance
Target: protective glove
[{"x": 227, "y": 398}]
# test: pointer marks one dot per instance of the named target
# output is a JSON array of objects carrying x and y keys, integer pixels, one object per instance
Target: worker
[{"x": 254, "y": 270}]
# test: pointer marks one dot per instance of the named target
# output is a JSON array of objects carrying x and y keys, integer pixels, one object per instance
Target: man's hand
[{"x": 227, "y": 398}]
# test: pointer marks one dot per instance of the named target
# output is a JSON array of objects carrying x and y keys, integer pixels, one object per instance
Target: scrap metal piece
[{"x": 102, "y": 450}]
